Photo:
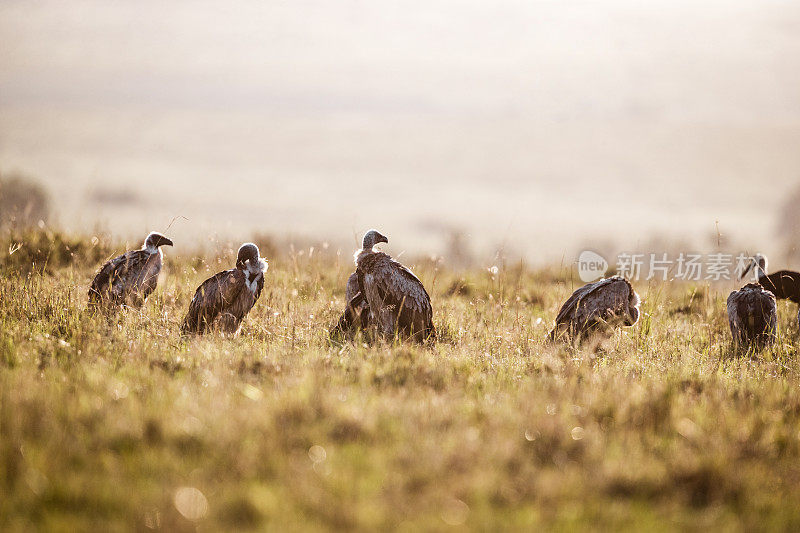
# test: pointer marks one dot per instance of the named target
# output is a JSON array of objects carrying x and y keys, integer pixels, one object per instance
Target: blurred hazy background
[{"x": 542, "y": 126}]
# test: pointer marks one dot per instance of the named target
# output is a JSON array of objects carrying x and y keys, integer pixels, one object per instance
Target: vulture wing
[
  {"x": 398, "y": 285},
  {"x": 398, "y": 288},
  {"x": 733, "y": 314},
  {"x": 212, "y": 297},
  {"x": 599, "y": 300},
  {"x": 352, "y": 287},
  {"x": 119, "y": 277},
  {"x": 593, "y": 294},
  {"x": 356, "y": 310}
]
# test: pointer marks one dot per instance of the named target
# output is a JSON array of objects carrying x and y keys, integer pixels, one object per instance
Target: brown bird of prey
[
  {"x": 753, "y": 316},
  {"x": 783, "y": 284},
  {"x": 397, "y": 300},
  {"x": 610, "y": 301},
  {"x": 131, "y": 277},
  {"x": 223, "y": 300}
]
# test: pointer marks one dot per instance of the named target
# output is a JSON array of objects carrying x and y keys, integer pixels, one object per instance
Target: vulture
[
  {"x": 610, "y": 301},
  {"x": 131, "y": 277},
  {"x": 753, "y": 316},
  {"x": 222, "y": 301},
  {"x": 398, "y": 302},
  {"x": 356, "y": 316},
  {"x": 783, "y": 284}
]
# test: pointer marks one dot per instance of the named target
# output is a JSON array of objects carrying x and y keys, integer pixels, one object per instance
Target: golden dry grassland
[{"x": 116, "y": 423}]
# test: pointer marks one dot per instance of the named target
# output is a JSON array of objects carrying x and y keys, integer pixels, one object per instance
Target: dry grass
[{"x": 109, "y": 424}]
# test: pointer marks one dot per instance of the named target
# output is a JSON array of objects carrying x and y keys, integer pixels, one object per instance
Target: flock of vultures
[{"x": 385, "y": 298}]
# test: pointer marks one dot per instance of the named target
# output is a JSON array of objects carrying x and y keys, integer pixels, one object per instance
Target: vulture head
[
  {"x": 633, "y": 309},
  {"x": 758, "y": 261},
  {"x": 155, "y": 240},
  {"x": 248, "y": 258},
  {"x": 371, "y": 238}
]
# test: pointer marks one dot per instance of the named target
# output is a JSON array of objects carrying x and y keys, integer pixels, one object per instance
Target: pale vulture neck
[
  {"x": 259, "y": 267},
  {"x": 362, "y": 253},
  {"x": 150, "y": 249}
]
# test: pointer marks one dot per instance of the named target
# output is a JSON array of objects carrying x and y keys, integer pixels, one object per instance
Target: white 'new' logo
[{"x": 591, "y": 266}]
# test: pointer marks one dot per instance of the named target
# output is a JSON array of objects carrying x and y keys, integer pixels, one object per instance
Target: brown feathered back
[
  {"x": 127, "y": 279},
  {"x": 397, "y": 299},
  {"x": 752, "y": 316},
  {"x": 611, "y": 301}
]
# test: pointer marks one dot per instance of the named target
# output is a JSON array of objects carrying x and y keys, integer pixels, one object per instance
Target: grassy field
[{"x": 118, "y": 424}]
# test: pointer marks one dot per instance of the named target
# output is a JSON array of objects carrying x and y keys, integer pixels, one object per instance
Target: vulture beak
[
  {"x": 381, "y": 238},
  {"x": 163, "y": 241}
]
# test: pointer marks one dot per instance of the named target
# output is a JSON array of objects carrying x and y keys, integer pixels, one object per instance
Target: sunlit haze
[{"x": 540, "y": 125}]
